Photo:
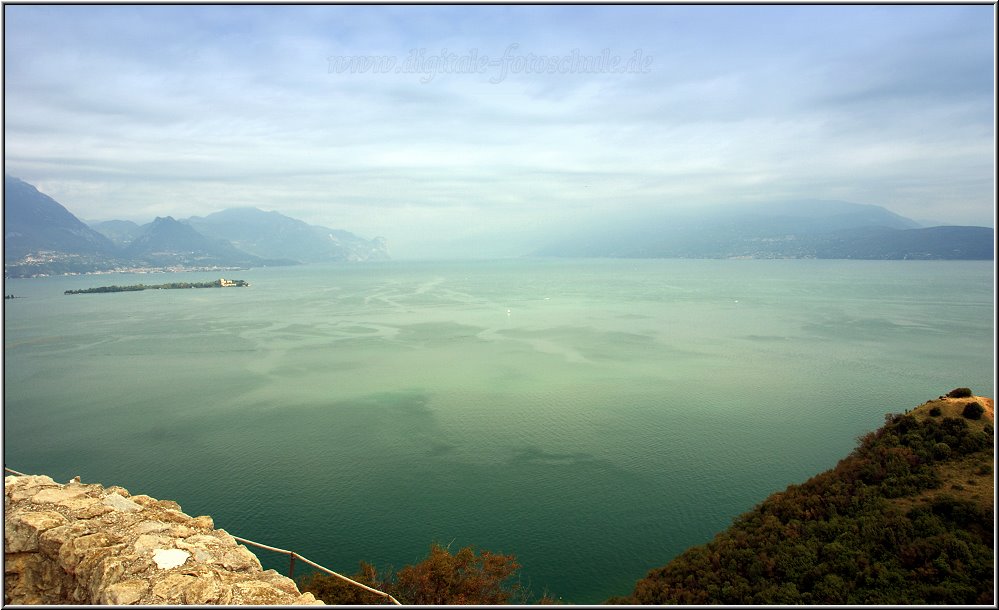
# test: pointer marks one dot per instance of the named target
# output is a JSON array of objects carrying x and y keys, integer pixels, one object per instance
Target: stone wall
[{"x": 86, "y": 544}]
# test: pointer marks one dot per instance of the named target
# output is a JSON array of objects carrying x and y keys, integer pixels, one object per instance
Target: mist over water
[{"x": 594, "y": 417}]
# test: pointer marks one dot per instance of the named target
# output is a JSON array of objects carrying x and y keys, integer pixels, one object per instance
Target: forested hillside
[{"x": 906, "y": 518}]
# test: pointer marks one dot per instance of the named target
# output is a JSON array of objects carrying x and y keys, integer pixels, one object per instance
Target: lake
[{"x": 592, "y": 417}]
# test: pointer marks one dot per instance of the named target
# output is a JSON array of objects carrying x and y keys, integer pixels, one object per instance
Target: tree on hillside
[
  {"x": 973, "y": 410},
  {"x": 465, "y": 577}
]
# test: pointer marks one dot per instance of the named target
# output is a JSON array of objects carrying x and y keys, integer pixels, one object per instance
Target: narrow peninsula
[{"x": 219, "y": 283}]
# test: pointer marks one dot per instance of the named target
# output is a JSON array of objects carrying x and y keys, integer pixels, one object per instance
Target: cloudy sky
[{"x": 439, "y": 126}]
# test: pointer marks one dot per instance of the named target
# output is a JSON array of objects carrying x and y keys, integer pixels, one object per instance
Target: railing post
[{"x": 291, "y": 568}]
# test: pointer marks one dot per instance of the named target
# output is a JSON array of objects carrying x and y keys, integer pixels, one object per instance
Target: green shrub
[
  {"x": 960, "y": 393},
  {"x": 973, "y": 410},
  {"x": 935, "y": 412}
]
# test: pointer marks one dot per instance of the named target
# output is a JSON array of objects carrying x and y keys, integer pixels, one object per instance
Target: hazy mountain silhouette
[
  {"x": 120, "y": 232},
  {"x": 272, "y": 235},
  {"x": 166, "y": 242},
  {"x": 41, "y": 237},
  {"x": 796, "y": 229},
  {"x": 35, "y": 222}
]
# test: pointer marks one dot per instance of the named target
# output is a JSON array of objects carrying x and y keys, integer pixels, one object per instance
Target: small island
[{"x": 219, "y": 283}]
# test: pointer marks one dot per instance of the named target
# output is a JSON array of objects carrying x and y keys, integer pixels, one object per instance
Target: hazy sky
[{"x": 470, "y": 121}]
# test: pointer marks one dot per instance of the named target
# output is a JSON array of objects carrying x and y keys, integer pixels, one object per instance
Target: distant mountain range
[
  {"x": 273, "y": 235},
  {"x": 167, "y": 242},
  {"x": 796, "y": 229},
  {"x": 41, "y": 237}
]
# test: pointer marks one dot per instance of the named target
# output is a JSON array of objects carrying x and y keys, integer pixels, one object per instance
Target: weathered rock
[
  {"x": 55, "y": 495},
  {"x": 86, "y": 544},
  {"x": 280, "y": 582},
  {"x": 31, "y": 485},
  {"x": 202, "y": 556},
  {"x": 124, "y": 593},
  {"x": 121, "y": 503},
  {"x": 147, "y": 544},
  {"x": 86, "y": 507},
  {"x": 147, "y": 527},
  {"x": 203, "y": 590},
  {"x": 203, "y": 522},
  {"x": 21, "y": 531},
  {"x": 259, "y": 593},
  {"x": 241, "y": 559},
  {"x": 173, "y": 587}
]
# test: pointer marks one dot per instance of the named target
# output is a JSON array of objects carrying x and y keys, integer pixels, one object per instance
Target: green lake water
[{"x": 592, "y": 417}]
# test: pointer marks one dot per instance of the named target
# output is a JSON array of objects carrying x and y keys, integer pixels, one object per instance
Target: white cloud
[{"x": 132, "y": 112}]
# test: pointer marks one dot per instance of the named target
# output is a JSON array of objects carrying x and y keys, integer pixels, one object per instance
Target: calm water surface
[{"x": 594, "y": 418}]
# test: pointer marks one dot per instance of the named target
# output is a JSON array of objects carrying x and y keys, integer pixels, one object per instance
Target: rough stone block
[
  {"x": 56, "y": 495},
  {"x": 148, "y": 543},
  {"x": 121, "y": 503},
  {"x": 181, "y": 531},
  {"x": 51, "y": 540},
  {"x": 102, "y": 568},
  {"x": 258, "y": 593},
  {"x": 21, "y": 531},
  {"x": 279, "y": 582},
  {"x": 204, "y": 590},
  {"x": 98, "y": 545},
  {"x": 124, "y": 593},
  {"x": 172, "y": 588},
  {"x": 308, "y": 599},
  {"x": 240, "y": 559},
  {"x": 202, "y": 522},
  {"x": 22, "y": 488},
  {"x": 206, "y": 540},
  {"x": 147, "y": 527},
  {"x": 85, "y": 507}
]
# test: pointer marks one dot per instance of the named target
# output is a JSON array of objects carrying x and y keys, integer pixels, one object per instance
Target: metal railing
[
  {"x": 291, "y": 568},
  {"x": 292, "y": 554}
]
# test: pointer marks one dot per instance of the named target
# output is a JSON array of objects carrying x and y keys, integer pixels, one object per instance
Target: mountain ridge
[
  {"x": 42, "y": 237},
  {"x": 168, "y": 242},
  {"x": 271, "y": 234},
  {"x": 120, "y": 232},
  {"x": 789, "y": 229},
  {"x": 33, "y": 221}
]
